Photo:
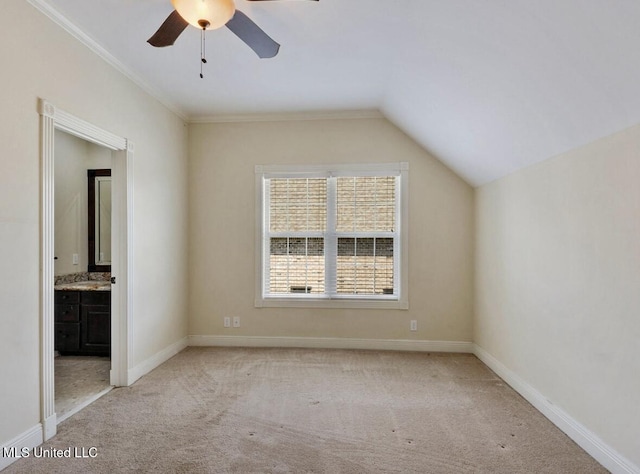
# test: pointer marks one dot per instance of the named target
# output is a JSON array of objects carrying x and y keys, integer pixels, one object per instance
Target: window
[{"x": 332, "y": 236}]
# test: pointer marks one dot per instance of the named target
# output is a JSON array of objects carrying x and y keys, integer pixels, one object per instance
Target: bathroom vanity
[
  {"x": 83, "y": 318},
  {"x": 82, "y": 310}
]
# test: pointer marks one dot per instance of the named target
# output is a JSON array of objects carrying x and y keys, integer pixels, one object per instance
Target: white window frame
[{"x": 400, "y": 298}]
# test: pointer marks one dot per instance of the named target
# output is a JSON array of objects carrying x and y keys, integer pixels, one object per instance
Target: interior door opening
[
  {"x": 81, "y": 313},
  {"x": 82, "y": 272}
]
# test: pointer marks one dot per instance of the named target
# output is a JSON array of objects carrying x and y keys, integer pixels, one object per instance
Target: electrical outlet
[
  {"x": 414, "y": 325},
  {"x": 236, "y": 321},
  {"x": 227, "y": 322},
  {"x": 75, "y": 258}
]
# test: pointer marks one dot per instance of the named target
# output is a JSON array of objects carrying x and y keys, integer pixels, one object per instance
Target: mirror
[{"x": 99, "y": 228}]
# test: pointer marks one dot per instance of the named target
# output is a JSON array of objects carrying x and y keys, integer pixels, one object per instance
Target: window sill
[{"x": 341, "y": 303}]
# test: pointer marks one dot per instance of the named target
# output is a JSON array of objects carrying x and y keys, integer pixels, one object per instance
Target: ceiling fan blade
[
  {"x": 169, "y": 31},
  {"x": 245, "y": 29}
]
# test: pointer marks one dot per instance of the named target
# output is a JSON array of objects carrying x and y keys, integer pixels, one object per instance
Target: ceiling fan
[{"x": 212, "y": 14}]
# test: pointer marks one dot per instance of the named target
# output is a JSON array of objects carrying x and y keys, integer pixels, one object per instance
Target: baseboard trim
[
  {"x": 154, "y": 361},
  {"x": 50, "y": 427},
  {"x": 29, "y": 439},
  {"x": 332, "y": 343},
  {"x": 587, "y": 440}
]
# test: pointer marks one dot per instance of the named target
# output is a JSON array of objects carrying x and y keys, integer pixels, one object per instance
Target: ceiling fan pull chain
[{"x": 203, "y": 50}]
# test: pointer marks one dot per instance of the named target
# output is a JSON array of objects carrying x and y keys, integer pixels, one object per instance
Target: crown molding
[
  {"x": 58, "y": 18},
  {"x": 291, "y": 116}
]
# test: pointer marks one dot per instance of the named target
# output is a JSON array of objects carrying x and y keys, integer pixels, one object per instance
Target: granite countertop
[{"x": 91, "y": 285}]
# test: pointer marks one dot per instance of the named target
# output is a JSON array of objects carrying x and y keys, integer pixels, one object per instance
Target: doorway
[
  {"x": 54, "y": 119},
  {"x": 82, "y": 271}
]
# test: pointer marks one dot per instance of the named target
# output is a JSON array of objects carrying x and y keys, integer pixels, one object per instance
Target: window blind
[{"x": 331, "y": 236}]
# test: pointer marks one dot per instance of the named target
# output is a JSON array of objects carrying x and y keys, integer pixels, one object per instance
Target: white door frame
[{"x": 51, "y": 119}]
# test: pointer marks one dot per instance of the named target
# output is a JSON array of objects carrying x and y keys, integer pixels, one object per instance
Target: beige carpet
[{"x": 330, "y": 411}]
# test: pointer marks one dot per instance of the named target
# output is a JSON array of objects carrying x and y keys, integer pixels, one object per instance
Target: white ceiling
[{"x": 487, "y": 86}]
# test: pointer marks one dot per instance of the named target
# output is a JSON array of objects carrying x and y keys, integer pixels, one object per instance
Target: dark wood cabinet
[
  {"x": 67, "y": 337},
  {"x": 83, "y": 322}
]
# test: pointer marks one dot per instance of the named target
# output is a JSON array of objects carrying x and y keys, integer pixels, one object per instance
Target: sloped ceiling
[{"x": 487, "y": 86}]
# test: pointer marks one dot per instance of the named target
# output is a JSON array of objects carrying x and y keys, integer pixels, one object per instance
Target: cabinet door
[
  {"x": 67, "y": 337},
  {"x": 96, "y": 329}
]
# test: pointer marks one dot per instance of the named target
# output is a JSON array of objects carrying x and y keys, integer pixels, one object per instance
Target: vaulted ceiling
[{"x": 487, "y": 86}]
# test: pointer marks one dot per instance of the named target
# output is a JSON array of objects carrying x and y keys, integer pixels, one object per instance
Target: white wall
[
  {"x": 222, "y": 181},
  {"x": 558, "y": 283},
  {"x": 40, "y": 60},
  {"x": 557, "y": 267},
  {"x": 73, "y": 157}
]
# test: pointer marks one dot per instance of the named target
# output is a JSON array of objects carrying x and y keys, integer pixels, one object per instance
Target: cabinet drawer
[
  {"x": 67, "y": 297},
  {"x": 96, "y": 297},
  {"x": 67, "y": 313},
  {"x": 67, "y": 337}
]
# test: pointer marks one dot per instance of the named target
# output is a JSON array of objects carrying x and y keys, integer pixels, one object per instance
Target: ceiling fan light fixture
[{"x": 216, "y": 12}]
